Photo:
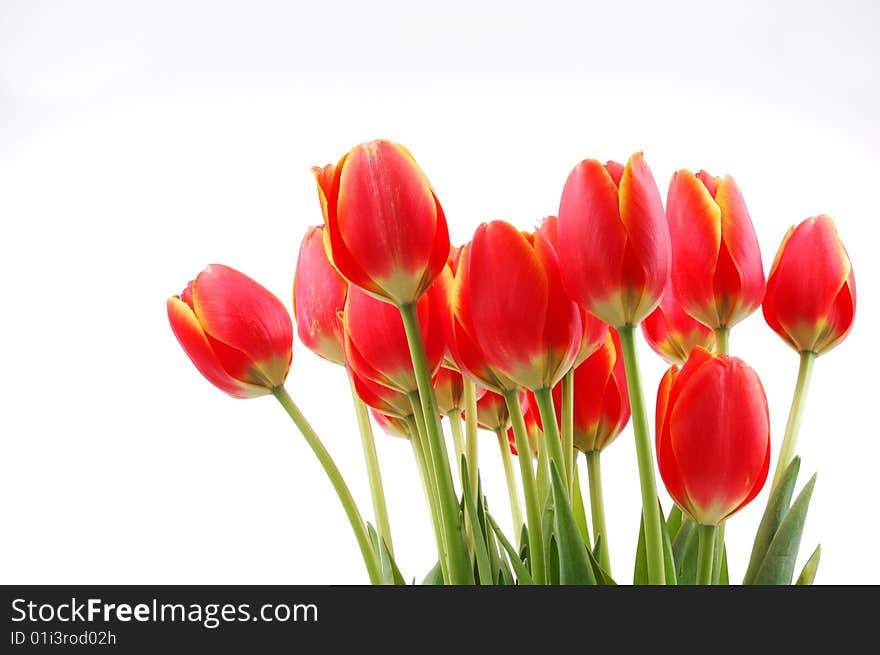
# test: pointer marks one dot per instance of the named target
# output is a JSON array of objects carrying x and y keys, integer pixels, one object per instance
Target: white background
[{"x": 141, "y": 141}]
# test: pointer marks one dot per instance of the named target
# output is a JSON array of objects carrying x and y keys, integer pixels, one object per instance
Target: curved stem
[
  {"x": 459, "y": 563},
  {"x": 371, "y": 459},
  {"x": 551, "y": 432},
  {"x": 415, "y": 440},
  {"x": 722, "y": 340},
  {"x": 645, "y": 457},
  {"x": 597, "y": 506},
  {"x": 568, "y": 426},
  {"x": 457, "y": 437},
  {"x": 530, "y": 490},
  {"x": 795, "y": 414},
  {"x": 345, "y": 497},
  {"x": 470, "y": 425},
  {"x": 705, "y": 555},
  {"x": 512, "y": 491}
]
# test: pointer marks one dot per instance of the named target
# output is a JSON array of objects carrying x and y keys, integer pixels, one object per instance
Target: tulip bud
[
  {"x": 238, "y": 335},
  {"x": 391, "y": 425},
  {"x": 386, "y": 230},
  {"x": 448, "y": 390},
  {"x": 811, "y": 291},
  {"x": 716, "y": 262},
  {"x": 319, "y": 294},
  {"x": 713, "y": 435},
  {"x": 492, "y": 412},
  {"x": 510, "y": 273},
  {"x": 673, "y": 333},
  {"x": 375, "y": 341},
  {"x": 614, "y": 251}
]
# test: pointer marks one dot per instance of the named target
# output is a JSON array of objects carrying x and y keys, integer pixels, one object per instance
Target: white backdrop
[{"x": 141, "y": 141}]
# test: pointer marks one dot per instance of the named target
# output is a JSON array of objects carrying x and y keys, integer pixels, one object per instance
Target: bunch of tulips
[{"x": 531, "y": 335}]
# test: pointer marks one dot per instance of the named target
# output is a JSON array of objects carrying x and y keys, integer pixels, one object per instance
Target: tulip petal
[{"x": 195, "y": 344}]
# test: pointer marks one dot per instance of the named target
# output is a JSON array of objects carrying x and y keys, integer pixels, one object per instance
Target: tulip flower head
[
  {"x": 319, "y": 294},
  {"x": 492, "y": 412},
  {"x": 508, "y": 285},
  {"x": 673, "y": 333},
  {"x": 713, "y": 435},
  {"x": 811, "y": 290},
  {"x": 614, "y": 250},
  {"x": 375, "y": 340},
  {"x": 386, "y": 230},
  {"x": 235, "y": 331},
  {"x": 391, "y": 425},
  {"x": 379, "y": 397},
  {"x": 716, "y": 261}
]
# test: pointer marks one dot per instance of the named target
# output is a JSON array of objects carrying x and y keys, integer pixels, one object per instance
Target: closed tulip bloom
[
  {"x": 716, "y": 262},
  {"x": 379, "y": 397},
  {"x": 238, "y": 335},
  {"x": 375, "y": 340},
  {"x": 614, "y": 250},
  {"x": 319, "y": 294},
  {"x": 391, "y": 425},
  {"x": 386, "y": 230},
  {"x": 449, "y": 390},
  {"x": 528, "y": 328},
  {"x": 713, "y": 435},
  {"x": 673, "y": 333},
  {"x": 811, "y": 290},
  {"x": 492, "y": 412}
]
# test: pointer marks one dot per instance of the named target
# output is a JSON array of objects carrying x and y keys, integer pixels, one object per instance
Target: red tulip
[
  {"x": 811, "y": 291},
  {"x": 391, "y": 425},
  {"x": 527, "y": 328},
  {"x": 614, "y": 250},
  {"x": 716, "y": 262},
  {"x": 375, "y": 340},
  {"x": 380, "y": 398},
  {"x": 673, "y": 333},
  {"x": 234, "y": 330},
  {"x": 492, "y": 412},
  {"x": 713, "y": 435},
  {"x": 449, "y": 390},
  {"x": 318, "y": 297},
  {"x": 387, "y": 232},
  {"x": 593, "y": 329}
]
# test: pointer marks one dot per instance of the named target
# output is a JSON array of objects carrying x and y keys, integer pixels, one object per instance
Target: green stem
[
  {"x": 795, "y": 414},
  {"x": 551, "y": 431},
  {"x": 719, "y": 553},
  {"x": 459, "y": 563},
  {"x": 512, "y": 491},
  {"x": 577, "y": 505},
  {"x": 705, "y": 558},
  {"x": 597, "y": 506},
  {"x": 345, "y": 497},
  {"x": 722, "y": 340},
  {"x": 430, "y": 494},
  {"x": 645, "y": 457},
  {"x": 530, "y": 491},
  {"x": 470, "y": 425},
  {"x": 568, "y": 426},
  {"x": 371, "y": 459},
  {"x": 457, "y": 437}
]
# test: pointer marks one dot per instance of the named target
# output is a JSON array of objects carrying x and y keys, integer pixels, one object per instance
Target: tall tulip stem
[
  {"x": 512, "y": 491},
  {"x": 795, "y": 414},
  {"x": 457, "y": 435},
  {"x": 722, "y": 340},
  {"x": 597, "y": 506},
  {"x": 470, "y": 429},
  {"x": 645, "y": 457},
  {"x": 568, "y": 426},
  {"x": 706, "y": 553},
  {"x": 351, "y": 510},
  {"x": 530, "y": 488},
  {"x": 551, "y": 431},
  {"x": 371, "y": 459},
  {"x": 460, "y": 571}
]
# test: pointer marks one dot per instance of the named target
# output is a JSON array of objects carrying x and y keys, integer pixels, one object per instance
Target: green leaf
[
  {"x": 686, "y": 568},
  {"x": 668, "y": 559},
  {"x": 681, "y": 542},
  {"x": 524, "y": 546},
  {"x": 553, "y": 573},
  {"x": 580, "y": 512},
  {"x": 503, "y": 575},
  {"x": 674, "y": 521},
  {"x": 777, "y": 507},
  {"x": 640, "y": 573},
  {"x": 724, "y": 576},
  {"x": 391, "y": 575},
  {"x": 434, "y": 576},
  {"x": 522, "y": 573},
  {"x": 778, "y": 565},
  {"x": 809, "y": 572},
  {"x": 602, "y": 576},
  {"x": 484, "y": 565},
  {"x": 574, "y": 563},
  {"x": 547, "y": 525}
]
